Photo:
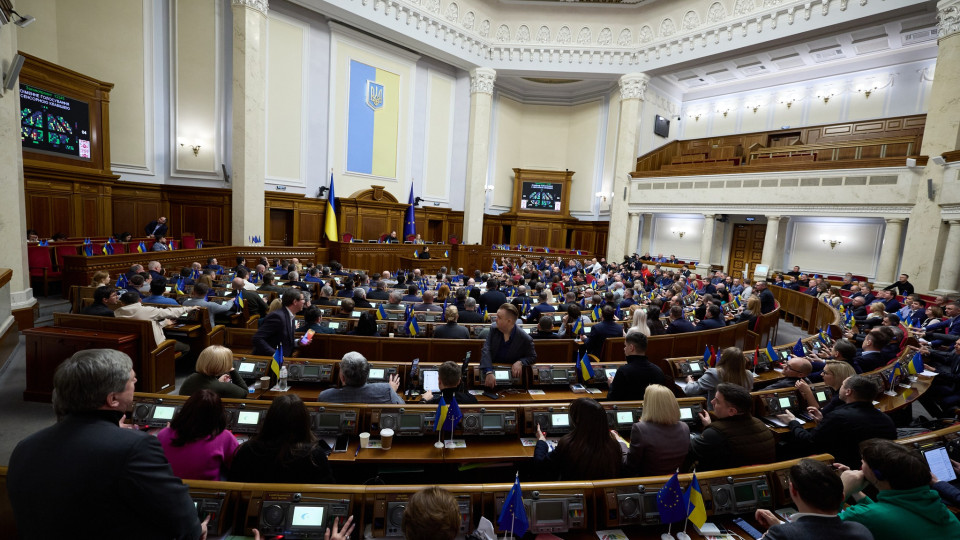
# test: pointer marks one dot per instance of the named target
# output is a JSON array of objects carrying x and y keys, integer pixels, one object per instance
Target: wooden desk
[
  {"x": 905, "y": 396},
  {"x": 428, "y": 266},
  {"x": 48, "y": 347}
]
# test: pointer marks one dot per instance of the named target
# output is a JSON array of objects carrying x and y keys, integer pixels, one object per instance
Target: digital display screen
[
  {"x": 307, "y": 516},
  {"x": 586, "y": 329},
  {"x": 686, "y": 414},
  {"x": 694, "y": 367},
  {"x": 624, "y": 417},
  {"x": 560, "y": 420},
  {"x": 311, "y": 371},
  {"x": 328, "y": 420},
  {"x": 333, "y": 325},
  {"x": 549, "y": 510},
  {"x": 940, "y": 465},
  {"x": 540, "y": 196},
  {"x": 743, "y": 493},
  {"x": 558, "y": 373},
  {"x": 355, "y": 314},
  {"x": 248, "y": 417},
  {"x": 784, "y": 402},
  {"x": 163, "y": 413},
  {"x": 527, "y": 329},
  {"x": 821, "y": 396},
  {"x": 502, "y": 375},
  {"x": 246, "y": 367},
  {"x": 409, "y": 420},
  {"x": 492, "y": 421},
  {"x": 376, "y": 373},
  {"x": 54, "y": 123},
  {"x": 431, "y": 380}
]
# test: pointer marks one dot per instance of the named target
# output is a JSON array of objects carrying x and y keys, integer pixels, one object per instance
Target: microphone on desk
[
  {"x": 463, "y": 372},
  {"x": 413, "y": 376}
]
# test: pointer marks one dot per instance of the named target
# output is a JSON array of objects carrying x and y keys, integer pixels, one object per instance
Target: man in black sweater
[
  {"x": 103, "y": 298},
  {"x": 734, "y": 438},
  {"x": 631, "y": 380}
]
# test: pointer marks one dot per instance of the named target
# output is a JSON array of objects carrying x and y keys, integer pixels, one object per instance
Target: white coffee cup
[
  {"x": 386, "y": 438},
  {"x": 390, "y": 334},
  {"x": 365, "y": 440},
  {"x": 265, "y": 383}
]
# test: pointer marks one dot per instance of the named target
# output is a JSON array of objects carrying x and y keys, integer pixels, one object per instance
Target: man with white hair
[{"x": 354, "y": 372}]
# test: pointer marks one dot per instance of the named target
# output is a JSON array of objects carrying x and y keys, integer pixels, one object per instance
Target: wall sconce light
[
  {"x": 23, "y": 20},
  {"x": 754, "y": 107},
  {"x": 832, "y": 242},
  {"x": 724, "y": 112},
  {"x": 869, "y": 87},
  {"x": 695, "y": 115},
  {"x": 678, "y": 232},
  {"x": 826, "y": 95},
  {"x": 488, "y": 188},
  {"x": 787, "y": 102},
  {"x": 193, "y": 144},
  {"x": 603, "y": 196}
]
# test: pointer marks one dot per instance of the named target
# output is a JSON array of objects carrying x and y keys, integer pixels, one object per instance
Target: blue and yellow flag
[
  {"x": 442, "y": 410},
  {"x": 413, "y": 328},
  {"x": 771, "y": 354},
  {"x": 381, "y": 312},
  {"x": 670, "y": 501},
  {"x": 199, "y": 244},
  {"x": 330, "y": 216},
  {"x": 108, "y": 249},
  {"x": 238, "y": 301},
  {"x": 896, "y": 371},
  {"x": 915, "y": 365},
  {"x": 446, "y": 253},
  {"x": 277, "y": 361},
  {"x": 373, "y": 116},
  {"x": 141, "y": 247},
  {"x": 595, "y": 314},
  {"x": 448, "y": 416},
  {"x": 513, "y": 516},
  {"x": 578, "y": 327},
  {"x": 824, "y": 338},
  {"x": 696, "y": 509},
  {"x": 585, "y": 367},
  {"x": 178, "y": 286},
  {"x": 416, "y": 253}
]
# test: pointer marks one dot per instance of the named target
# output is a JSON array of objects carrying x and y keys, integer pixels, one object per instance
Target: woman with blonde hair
[
  {"x": 751, "y": 312},
  {"x": 731, "y": 368},
  {"x": 442, "y": 293},
  {"x": 215, "y": 372},
  {"x": 100, "y": 278},
  {"x": 639, "y": 323},
  {"x": 834, "y": 373},
  {"x": 659, "y": 441}
]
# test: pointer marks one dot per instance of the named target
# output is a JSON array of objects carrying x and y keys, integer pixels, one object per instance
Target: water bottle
[{"x": 282, "y": 384}]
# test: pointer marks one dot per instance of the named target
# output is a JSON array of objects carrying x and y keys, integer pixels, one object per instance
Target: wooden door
[
  {"x": 746, "y": 248},
  {"x": 281, "y": 227}
]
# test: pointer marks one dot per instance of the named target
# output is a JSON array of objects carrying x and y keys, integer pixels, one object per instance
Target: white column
[
  {"x": 770, "y": 241},
  {"x": 706, "y": 244},
  {"x": 478, "y": 152},
  {"x": 781, "y": 245},
  {"x": 890, "y": 251},
  {"x": 249, "y": 119},
  {"x": 646, "y": 239},
  {"x": 13, "y": 226},
  {"x": 632, "y": 87},
  {"x": 633, "y": 233},
  {"x": 950, "y": 264}
]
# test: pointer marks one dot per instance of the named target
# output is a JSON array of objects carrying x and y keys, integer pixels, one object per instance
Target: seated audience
[
  {"x": 735, "y": 438},
  {"x": 569, "y": 320},
  {"x": 870, "y": 356},
  {"x": 157, "y": 288},
  {"x": 795, "y": 370},
  {"x": 215, "y": 372},
  {"x": 469, "y": 315},
  {"x": 817, "y": 492},
  {"x": 449, "y": 382},
  {"x": 506, "y": 344},
  {"x": 840, "y": 431},
  {"x": 631, "y": 380},
  {"x": 905, "y": 507},
  {"x": 834, "y": 373},
  {"x": 659, "y": 442},
  {"x": 943, "y": 396},
  {"x": 197, "y": 443},
  {"x": 312, "y": 316},
  {"x": 100, "y": 278},
  {"x": 104, "y": 299},
  {"x": 731, "y": 368},
  {"x": 285, "y": 450},
  {"x": 606, "y": 328},
  {"x": 198, "y": 295},
  {"x": 451, "y": 330},
  {"x": 678, "y": 324},
  {"x": 366, "y": 325},
  {"x": 545, "y": 329},
  {"x": 587, "y": 452},
  {"x": 427, "y": 304},
  {"x": 354, "y": 371}
]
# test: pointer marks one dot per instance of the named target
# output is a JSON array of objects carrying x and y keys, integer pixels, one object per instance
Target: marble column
[
  {"x": 706, "y": 244},
  {"x": 13, "y": 227},
  {"x": 950, "y": 264},
  {"x": 781, "y": 244},
  {"x": 249, "y": 120},
  {"x": 632, "y": 87},
  {"x": 634, "y": 233},
  {"x": 940, "y": 134},
  {"x": 890, "y": 251},
  {"x": 646, "y": 239},
  {"x": 770, "y": 242},
  {"x": 478, "y": 153}
]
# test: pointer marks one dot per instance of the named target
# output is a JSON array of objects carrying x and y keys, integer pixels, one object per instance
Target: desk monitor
[
  {"x": 650, "y": 510},
  {"x": 502, "y": 374},
  {"x": 549, "y": 516},
  {"x": 307, "y": 516},
  {"x": 250, "y": 418},
  {"x": 560, "y": 420},
  {"x": 376, "y": 374},
  {"x": 163, "y": 412},
  {"x": 686, "y": 413},
  {"x": 246, "y": 368}
]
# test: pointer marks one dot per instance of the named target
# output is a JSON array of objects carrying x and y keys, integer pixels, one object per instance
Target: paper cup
[
  {"x": 390, "y": 334},
  {"x": 265, "y": 383},
  {"x": 365, "y": 440},
  {"x": 386, "y": 438}
]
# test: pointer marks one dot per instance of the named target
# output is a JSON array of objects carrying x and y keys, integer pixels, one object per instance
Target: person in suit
[
  {"x": 817, "y": 492},
  {"x": 88, "y": 467},
  {"x": 380, "y": 292},
  {"x": 412, "y": 294},
  {"x": 360, "y": 298},
  {"x": 278, "y": 327},
  {"x": 425, "y": 254},
  {"x": 354, "y": 372},
  {"x": 491, "y": 300},
  {"x": 840, "y": 431},
  {"x": 606, "y": 328},
  {"x": 679, "y": 325},
  {"x": 545, "y": 329},
  {"x": 767, "y": 302},
  {"x": 156, "y": 227},
  {"x": 795, "y": 369},
  {"x": 870, "y": 356},
  {"x": 451, "y": 330},
  {"x": 506, "y": 344},
  {"x": 198, "y": 297},
  {"x": 713, "y": 318},
  {"x": 948, "y": 329},
  {"x": 103, "y": 298},
  {"x": 631, "y": 380},
  {"x": 944, "y": 393},
  {"x": 587, "y": 452},
  {"x": 311, "y": 321},
  {"x": 469, "y": 315},
  {"x": 427, "y": 304},
  {"x": 255, "y": 304},
  {"x": 541, "y": 308}
]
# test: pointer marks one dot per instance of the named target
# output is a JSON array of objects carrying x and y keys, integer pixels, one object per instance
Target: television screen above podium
[{"x": 539, "y": 192}]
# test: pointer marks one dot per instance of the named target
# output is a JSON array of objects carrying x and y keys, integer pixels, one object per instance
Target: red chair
[
  {"x": 40, "y": 263},
  {"x": 60, "y": 250},
  {"x": 383, "y": 237},
  {"x": 347, "y": 237},
  {"x": 454, "y": 240},
  {"x": 188, "y": 241},
  {"x": 411, "y": 237}
]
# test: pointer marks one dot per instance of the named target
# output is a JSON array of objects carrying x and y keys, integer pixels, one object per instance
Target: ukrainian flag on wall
[{"x": 373, "y": 120}]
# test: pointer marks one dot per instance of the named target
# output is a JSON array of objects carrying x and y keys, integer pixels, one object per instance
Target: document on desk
[
  {"x": 613, "y": 534},
  {"x": 929, "y": 373},
  {"x": 531, "y": 441},
  {"x": 475, "y": 392},
  {"x": 535, "y": 392}
]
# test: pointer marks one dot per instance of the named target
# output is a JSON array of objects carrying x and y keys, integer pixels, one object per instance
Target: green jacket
[{"x": 905, "y": 513}]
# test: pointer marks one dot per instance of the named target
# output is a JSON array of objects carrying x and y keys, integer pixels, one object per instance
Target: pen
[{"x": 357, "y": 453}]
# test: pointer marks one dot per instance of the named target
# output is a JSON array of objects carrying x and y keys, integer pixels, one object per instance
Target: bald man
[
  {"x": 255, "y": 304},
  {"x": 795, "y": 369}
]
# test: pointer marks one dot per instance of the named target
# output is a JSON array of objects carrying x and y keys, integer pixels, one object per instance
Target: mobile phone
[
  {"x": 341, "y": 444},
  {"x": 307, "y": 336},
  {"x": 749, "y": 529}
]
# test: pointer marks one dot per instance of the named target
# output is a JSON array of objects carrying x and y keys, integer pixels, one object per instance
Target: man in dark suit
[
  {"x": 278, "y": 327},
  {"x": 870, "y": 356},
  {"x": 679, "y": 325},
  {"x": 212, "y": 265},
  {"x": 255, "y": 304},
  {"x": 944, "y": 392},
  {"x": 712, "y": 318},
  {"x": 767, "y": 302},
  {"x": 157, "y": 226},
  {"x": 469, "y": 315},
  {"x": 493, "y": 298},
  {"x": 890, "y": 302},
  {"x": 380, "y": 293},
  {"x": 817, "y": 491},
  {"x": 156, "y": 270},
  {"x": 948, "y": 329},
  {"x": 412, "y": 294},
  {"x": 606, "y": 328},
  {"x": 631, "y": 380},
  {"x": 103, "y": 298},
  {"x": 506, "y": 344},
  {"x": 540, "y": 309},
  {"x": 91, "y": 470},
  {"x": 840, "y": 431}
]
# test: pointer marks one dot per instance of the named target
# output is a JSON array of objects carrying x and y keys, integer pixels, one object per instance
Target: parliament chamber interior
[{"x": 596, "y": 269}]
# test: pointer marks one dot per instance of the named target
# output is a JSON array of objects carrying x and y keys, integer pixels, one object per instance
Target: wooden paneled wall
[{"x": 555, "y": 232}]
